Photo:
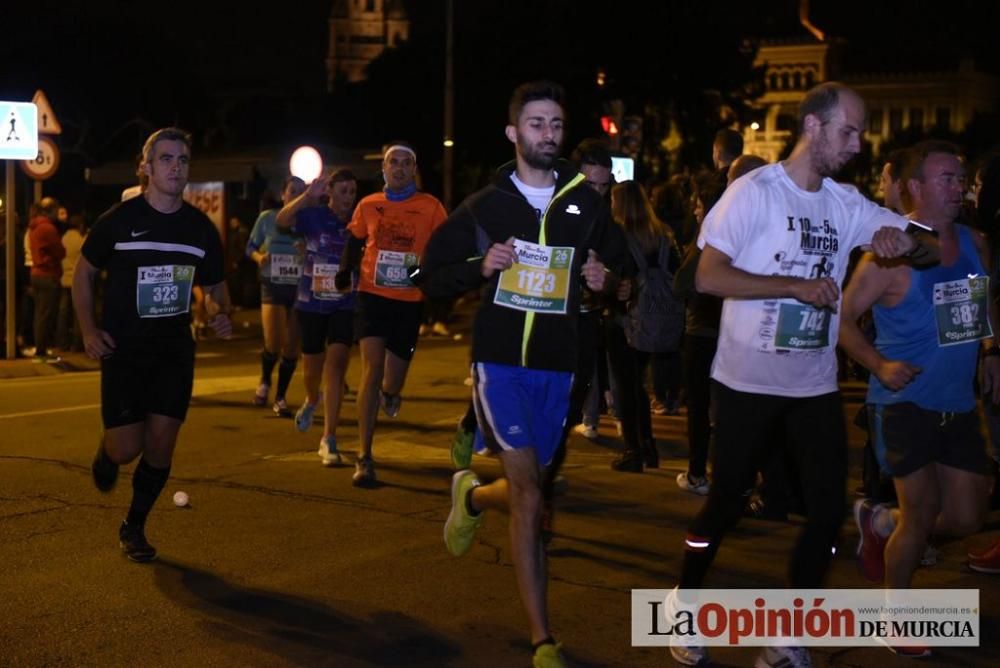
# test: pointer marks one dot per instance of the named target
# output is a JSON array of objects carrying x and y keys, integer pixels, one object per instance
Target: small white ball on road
[{"x": 181, "y": 499}]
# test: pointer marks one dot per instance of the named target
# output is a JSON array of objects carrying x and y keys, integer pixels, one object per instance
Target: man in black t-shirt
[{"x": 154, "y": 248}]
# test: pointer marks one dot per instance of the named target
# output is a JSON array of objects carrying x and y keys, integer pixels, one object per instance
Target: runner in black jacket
[
  {"x": 531, "y": 240},
  {"x": 577, "y": 217}
]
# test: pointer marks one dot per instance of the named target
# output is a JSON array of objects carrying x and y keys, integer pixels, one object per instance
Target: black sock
[
  {"x": 267, "y": 362},
  {"x": 147, "y": 483},
  {"x": 695, "y": 565},
  {"x": 285, "y": 371},
  {"x": 468, "y": 504},
  {"x": 547, "y": 640}
]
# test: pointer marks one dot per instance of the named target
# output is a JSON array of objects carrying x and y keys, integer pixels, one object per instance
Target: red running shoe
[
  {"x": 987, "y": 560},
  {"x": 871, "y": 546}
]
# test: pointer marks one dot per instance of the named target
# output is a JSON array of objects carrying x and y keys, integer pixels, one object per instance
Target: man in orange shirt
[{"x": 394, "y": 226}]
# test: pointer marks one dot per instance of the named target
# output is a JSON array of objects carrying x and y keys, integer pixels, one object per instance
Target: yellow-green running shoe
[
  {"x": 461, "y": 448},
  {"x": 460, "y": 528},
  {"x": 549, "y": 656}
]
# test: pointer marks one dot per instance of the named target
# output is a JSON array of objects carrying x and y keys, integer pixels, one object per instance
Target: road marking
[
  {"x": 49, "y": 411},
  {"x": 75, "y": 377},
  {"x": 202, "y": 387}
]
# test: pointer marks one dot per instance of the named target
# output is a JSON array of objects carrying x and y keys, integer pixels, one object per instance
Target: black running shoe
[
  {"x": 134, "y": 544},
  {"x": 104, "y": 471}
]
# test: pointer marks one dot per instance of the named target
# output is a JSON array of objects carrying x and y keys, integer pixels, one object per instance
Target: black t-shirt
[{"x": 152, "y": 260}]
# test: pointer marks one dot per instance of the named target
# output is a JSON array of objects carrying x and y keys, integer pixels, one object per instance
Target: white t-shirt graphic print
[{"x": 771, "y": 227}]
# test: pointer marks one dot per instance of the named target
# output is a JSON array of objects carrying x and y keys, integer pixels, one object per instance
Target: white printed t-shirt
[{"x": 771, "y": 227}]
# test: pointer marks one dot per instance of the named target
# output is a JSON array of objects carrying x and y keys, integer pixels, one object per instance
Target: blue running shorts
[{"x": 520, "y": 408}]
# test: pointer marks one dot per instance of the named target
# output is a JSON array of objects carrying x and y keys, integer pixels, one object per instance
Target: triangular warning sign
[
  {"x": 48, "y": 124},
  {"x": 14, "y": 133}
]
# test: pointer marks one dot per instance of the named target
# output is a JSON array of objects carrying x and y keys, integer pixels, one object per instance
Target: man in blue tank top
[{"x": 931, "y": 325}]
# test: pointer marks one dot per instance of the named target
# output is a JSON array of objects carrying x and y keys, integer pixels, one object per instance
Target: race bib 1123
[{"x": 539, "y": 280}]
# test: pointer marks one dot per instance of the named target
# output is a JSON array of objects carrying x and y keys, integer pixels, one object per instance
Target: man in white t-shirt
[{"x": 776, "y": 246}]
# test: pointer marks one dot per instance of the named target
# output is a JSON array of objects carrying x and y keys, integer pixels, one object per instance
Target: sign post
[
  {"x": 45, "y": 164},
  {"x": 18, "y": 141}
]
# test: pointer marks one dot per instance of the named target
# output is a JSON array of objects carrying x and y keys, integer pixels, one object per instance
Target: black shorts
[
  {"x": 322, "y": 329},
  {"x": 397, "y": 322},
  {"x": 136, "y": 382},
  {"x": 282, "y": 295},
  {"x": 907, "y": 438}
]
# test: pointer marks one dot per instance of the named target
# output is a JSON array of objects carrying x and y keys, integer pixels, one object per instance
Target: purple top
[{"x": 325, "y": 237}]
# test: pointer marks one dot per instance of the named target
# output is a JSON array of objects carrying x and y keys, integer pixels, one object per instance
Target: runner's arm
[
  {"x": 309, "y": 197},
  {"x": 869, "y": 284},
  {"x": 218, "y": 307},
  {"x": 716, "y": 275},
  {"x": 453, "y": 260},
  {"x": 96, "y": 342}
]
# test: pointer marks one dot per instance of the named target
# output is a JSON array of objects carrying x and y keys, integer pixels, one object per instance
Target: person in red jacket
[{"x": 47, "y": 253}]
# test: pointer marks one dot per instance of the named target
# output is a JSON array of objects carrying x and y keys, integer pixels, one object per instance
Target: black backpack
[{"x": 654, "y": 319}]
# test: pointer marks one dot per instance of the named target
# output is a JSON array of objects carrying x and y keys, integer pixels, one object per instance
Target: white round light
[
  {"x": 755, "y": 126},
  {"x": 306, "y": 163}
]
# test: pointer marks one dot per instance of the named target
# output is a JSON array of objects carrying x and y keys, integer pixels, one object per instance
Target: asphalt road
[{"x": 279, "y": 561}]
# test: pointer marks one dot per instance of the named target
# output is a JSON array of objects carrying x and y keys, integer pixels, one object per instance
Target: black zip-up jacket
[{"x": 577, "y": 216}]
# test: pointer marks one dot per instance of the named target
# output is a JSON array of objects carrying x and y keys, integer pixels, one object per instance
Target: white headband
[{"x": 400, "y": 147}]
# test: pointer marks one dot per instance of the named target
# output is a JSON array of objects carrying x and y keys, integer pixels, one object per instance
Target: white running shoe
[
  {"x": 697, "y": 486},
  {"x": 260, "y": 396},
  {"x": 328, "y": 452},
  {"x": 686, "y": 655}
]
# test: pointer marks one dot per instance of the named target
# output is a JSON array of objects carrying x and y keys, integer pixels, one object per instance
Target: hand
[
  {"x": 890, "y": 242},
  {"x": 222, "y": 325},
  {"x": 342, "y": 280},
  {"x": 98, "y": 344},
  {"x": 624, "y": 290},
  {"x": 991, "y": 378},
  {"x": 820, "y": 292},
  {"x": 318, "y": 188},
  {"x": 262, "y": 258},
  {"x": 593, "y": 272},
  {"x": 499, "y": 257},
  {"x": 895, "y": 374}
]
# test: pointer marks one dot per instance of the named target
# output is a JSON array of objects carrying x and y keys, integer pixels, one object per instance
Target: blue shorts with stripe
[{"x": 520, "y": 408}]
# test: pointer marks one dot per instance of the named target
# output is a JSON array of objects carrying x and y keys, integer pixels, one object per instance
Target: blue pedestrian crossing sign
[{"x": 18, "y": 131}]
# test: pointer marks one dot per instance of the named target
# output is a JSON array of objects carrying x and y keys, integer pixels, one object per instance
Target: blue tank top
[{"x": 909, "y": 332}]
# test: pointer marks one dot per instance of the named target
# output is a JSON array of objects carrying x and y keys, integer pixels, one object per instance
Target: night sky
[{"x": 248, "y": 74}]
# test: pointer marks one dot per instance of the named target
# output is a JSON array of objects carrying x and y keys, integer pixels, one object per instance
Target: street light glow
[
  {"x": 755, "y": 126},
  {"x": 306, "y": 164},
  {"x": 449, "y": 143}
]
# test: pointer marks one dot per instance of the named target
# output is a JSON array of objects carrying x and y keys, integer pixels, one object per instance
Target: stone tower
[{"x": 360, "y": 30}]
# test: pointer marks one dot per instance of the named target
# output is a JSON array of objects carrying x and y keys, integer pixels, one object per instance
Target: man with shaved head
[{"x": 776, "y": 247}]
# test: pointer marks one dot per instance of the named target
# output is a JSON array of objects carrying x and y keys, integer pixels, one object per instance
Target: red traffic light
[{"x": 609, "y": 125}]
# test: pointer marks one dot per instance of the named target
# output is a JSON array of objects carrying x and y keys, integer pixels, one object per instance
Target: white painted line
[
  {"x": 50, "y": 411},
  {"x": 202, "y": 387},
  {"x": 75, "y": 377}
]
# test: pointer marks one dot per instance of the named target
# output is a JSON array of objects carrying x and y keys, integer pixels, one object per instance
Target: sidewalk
[{"x": 24, "y": 367}]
